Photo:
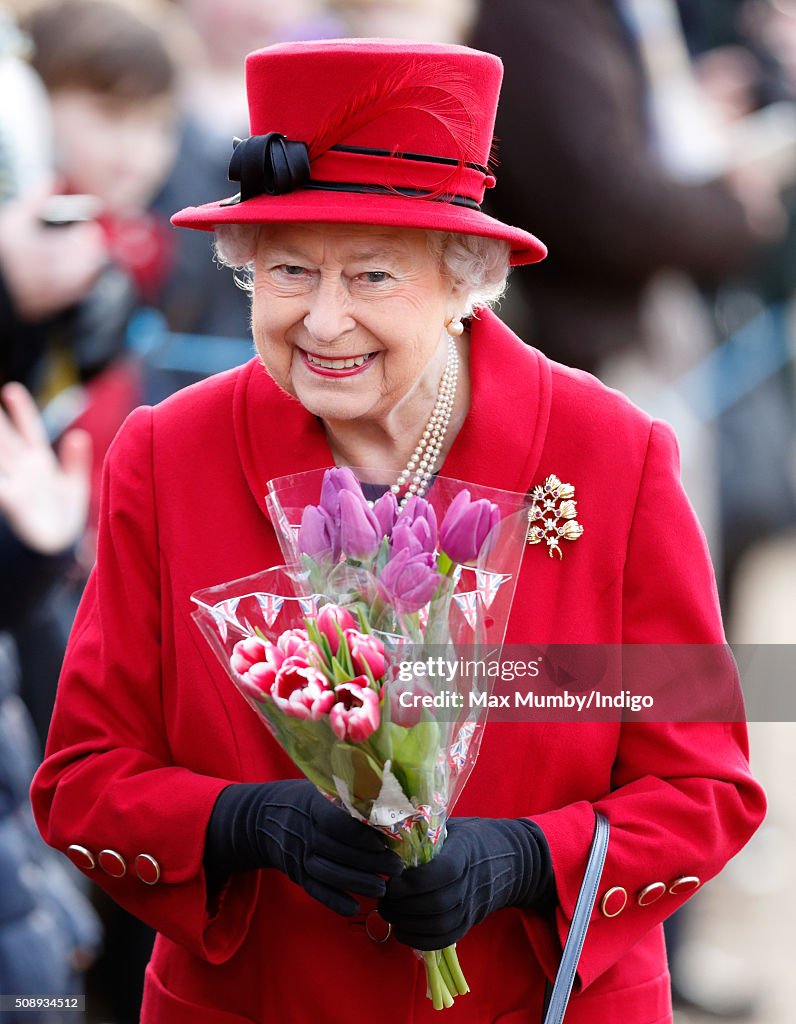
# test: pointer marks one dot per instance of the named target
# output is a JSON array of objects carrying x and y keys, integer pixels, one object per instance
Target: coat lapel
[
  {"x": 501, "y": 441},
  {"x": 275, "y": 434}
]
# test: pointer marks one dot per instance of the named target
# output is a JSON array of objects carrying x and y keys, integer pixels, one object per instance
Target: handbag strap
[{"x": 562, "y": 987}]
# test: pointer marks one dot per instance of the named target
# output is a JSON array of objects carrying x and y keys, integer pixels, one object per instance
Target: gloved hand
[
  {"x": 290, "y": 826},
  {"x": 484, "y": 864}
]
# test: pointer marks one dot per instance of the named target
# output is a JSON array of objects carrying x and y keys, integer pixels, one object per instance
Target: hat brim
[{"x": 318, "y": 207}]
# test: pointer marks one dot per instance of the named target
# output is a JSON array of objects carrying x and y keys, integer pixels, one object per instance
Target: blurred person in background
[
  {"x": 211, "y": 37},
  {"x": 435, "y": 21},
  {"x": 575, "y": 78},
  {"x": 226, "y": 30},
  {"x": 758, "y": 432},
  {"x": 111, "y": 86},
  {"x": 49, "y": 933},
  {"x": 42, "y": 272},
  {"x": 111, "y": 82}
]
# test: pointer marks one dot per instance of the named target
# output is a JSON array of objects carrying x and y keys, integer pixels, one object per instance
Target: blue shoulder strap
[{"x": 559, "y": 996}]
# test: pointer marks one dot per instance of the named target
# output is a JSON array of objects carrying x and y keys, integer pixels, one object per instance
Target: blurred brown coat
[{"x": 578, "y": 168}]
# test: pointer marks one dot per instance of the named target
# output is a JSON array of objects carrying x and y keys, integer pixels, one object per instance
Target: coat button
[
  {"x": 81, "y": 857},
  {"x": 147, "y": 869},
  {"x": 650, "y": 893},
  {"x": 112, "y": 863},
  {"x": 376, "y": 927},
  {"x": 685, "y": 883},
  {"x": 614, "y": 901}
]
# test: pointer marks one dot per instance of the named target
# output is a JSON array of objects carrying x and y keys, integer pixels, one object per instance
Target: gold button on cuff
[
  {"x": 614, "y": 901},
  {"x": 81, "y": 857},
  {"x": 376, "y": 928},
  {"x": 686, "y": 883},
  {"x": 147, "y": 869},
  {"x": 650, "y": 893},
  {"x": 112, "y": 863}
]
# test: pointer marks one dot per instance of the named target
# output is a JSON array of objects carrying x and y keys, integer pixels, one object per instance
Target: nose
[{"x": 329, "y": 315}]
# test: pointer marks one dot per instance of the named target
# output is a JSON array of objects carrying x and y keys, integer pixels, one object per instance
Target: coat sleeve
[
  {"x": 108, "y": 782},
  {"x": 682, "y": 800}
]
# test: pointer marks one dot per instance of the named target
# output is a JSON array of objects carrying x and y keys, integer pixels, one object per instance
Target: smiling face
[{"x": 350, "y": 319}]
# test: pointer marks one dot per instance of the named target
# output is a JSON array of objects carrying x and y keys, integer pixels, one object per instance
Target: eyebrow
[{"x": 386, "y": 251}]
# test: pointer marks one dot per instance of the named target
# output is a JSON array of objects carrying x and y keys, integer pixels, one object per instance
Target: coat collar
[{"x": 499, "y": 444}]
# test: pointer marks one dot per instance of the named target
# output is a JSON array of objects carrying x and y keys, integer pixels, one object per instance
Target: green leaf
[
  {"x": 382, "y": 556},
  {"x": 361, "y": 773},
  {"x": 414, "y": 757},
  {"x": 343, "y": 653},
  {"x": 339, "y": 674}
]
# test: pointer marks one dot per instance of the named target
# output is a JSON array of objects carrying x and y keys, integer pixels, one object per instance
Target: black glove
[
  {"x": 484, "y": 864},
  {"x": 289, "y": 825}
]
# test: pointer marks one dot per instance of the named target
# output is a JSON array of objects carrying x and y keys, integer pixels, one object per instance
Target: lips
[{"x": 347, "y": 366}]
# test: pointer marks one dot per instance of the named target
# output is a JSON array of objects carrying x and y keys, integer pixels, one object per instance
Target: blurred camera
[{"x": 60, "y": 211}]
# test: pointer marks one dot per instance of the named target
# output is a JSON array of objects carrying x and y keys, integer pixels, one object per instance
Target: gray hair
[{"x": 480, "y": 266}]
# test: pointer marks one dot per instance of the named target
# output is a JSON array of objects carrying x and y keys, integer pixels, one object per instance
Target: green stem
[
  {"x": 448, "y": 981},
  {"x": 434, "y": 979},
  {"x": 451, "y": 958}
]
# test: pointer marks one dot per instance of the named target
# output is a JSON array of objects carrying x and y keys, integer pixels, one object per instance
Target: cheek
[{"x": 271, "y": 325}]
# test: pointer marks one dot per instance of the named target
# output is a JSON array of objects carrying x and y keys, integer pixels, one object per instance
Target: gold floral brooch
[{"x": 551, "y": 517}]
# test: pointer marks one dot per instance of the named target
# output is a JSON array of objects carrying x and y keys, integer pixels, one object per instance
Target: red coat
[{"x": 148, "y": 729}]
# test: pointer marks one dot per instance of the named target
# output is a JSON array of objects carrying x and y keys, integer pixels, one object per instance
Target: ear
[{"x": 458, "y": 303}]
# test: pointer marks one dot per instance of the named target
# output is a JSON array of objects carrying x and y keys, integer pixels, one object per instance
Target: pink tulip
[
  {"x": 256, "y": 662},
  {"x": 355, "y": 713},
  {"x": 247, "y": 653},
  {"x": 407, "y": 712},
  {"x": 331, "y": 616},
  {"x": 366, "y": 650},
  {"x": 295, "y": 642},
  {"x": 259, "y": 679},
  {"x": 301, "y": 691}
]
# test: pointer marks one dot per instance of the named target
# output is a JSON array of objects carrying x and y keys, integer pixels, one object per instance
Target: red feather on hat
[{"x": 448, "y": 98}]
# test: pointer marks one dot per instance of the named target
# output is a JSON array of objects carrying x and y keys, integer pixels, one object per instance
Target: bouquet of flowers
[{"x": 330, "y": 649}]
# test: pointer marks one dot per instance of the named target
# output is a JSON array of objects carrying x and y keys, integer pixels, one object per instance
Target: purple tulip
[
  {"x": 360, "y": 533},
  {"x": 335, "y": 481},
  {"x": 409, "y": 581},
  {"x": 318, "y": 535},
  {"x": 386, "y": 511},
  {"x": 420, "y": 515},
  {"x": 469, "y": 528},
  {"x": 418, "y": 538}
]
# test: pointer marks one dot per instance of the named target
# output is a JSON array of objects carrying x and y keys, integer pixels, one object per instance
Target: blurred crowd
[{"x": 650, "y": 143}]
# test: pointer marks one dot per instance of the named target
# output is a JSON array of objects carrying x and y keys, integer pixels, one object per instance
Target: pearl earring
[{"x": 454, "y": 327}]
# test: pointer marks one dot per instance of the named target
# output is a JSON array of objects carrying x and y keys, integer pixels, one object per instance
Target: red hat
[{"x": 367, "y": 131}]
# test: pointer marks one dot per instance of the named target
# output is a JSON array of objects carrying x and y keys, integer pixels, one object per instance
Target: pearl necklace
[{"x": 420, "y": 467}]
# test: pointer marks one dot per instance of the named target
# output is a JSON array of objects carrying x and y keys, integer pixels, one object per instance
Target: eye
[
  {"x": 291, "y": 270},
  {"x": 374, "y": 277}
]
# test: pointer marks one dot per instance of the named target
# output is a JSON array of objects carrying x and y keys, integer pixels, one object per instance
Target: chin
[{"x": 327, "y": 409}]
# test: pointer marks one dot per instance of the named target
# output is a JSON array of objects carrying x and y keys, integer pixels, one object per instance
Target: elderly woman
[{"x": 359, "y": 214}]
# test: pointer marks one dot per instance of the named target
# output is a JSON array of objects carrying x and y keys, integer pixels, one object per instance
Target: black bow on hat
[{"x": 270, "y": 164}]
